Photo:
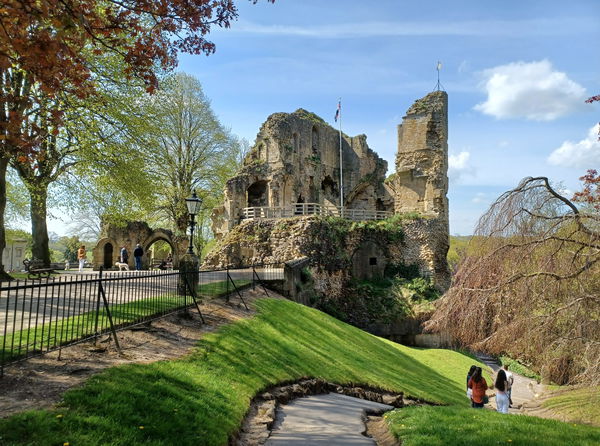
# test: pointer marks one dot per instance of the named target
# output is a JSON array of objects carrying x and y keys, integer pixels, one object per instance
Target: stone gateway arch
[{"x": 112, "y": 237}]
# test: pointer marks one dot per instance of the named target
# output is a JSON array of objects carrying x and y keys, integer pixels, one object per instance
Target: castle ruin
[{"x": 293, "y": 170}]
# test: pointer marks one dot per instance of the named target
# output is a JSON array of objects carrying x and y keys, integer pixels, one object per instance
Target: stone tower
[{"x": 421, "y": 183}]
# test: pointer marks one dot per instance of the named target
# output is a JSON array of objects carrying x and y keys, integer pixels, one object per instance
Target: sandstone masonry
[{"x": 296, "y": 160}]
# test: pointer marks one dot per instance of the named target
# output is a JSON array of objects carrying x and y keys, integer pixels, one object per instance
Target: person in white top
[
  {"x": 501, "y": 386},
  {"x": 510, "y": 380}
]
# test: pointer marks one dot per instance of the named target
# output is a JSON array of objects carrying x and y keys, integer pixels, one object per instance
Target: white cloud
[
  {"x": 458, "y": 166},
  {"x": 584, "y": 154},
  {"x": 530, "y": 90},
  {"x": 527, "y": 27}
]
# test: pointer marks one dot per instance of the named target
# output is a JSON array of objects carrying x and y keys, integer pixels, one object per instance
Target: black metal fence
[{"x": 39, "y": 316}]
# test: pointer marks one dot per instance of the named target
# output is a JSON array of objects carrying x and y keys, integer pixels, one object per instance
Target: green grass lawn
[
  {"x": 521, "y": 369},
  {"x": 459, "y": 426},
  {"x": 68, "y": 329},
  {"x": 23, "y": 276},
  {"x": 576, "y": 403},
  {"x": 201, "y": 399}
]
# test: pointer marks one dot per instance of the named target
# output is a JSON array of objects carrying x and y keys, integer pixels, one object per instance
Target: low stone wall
[{"x": 259, "y": 420}]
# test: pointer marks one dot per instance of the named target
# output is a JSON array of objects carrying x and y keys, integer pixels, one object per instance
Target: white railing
[{"x": 297, "y": 209}]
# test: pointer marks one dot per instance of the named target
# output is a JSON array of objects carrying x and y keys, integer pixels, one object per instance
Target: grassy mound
[
  {"x": 201, "y": 400},
  {"x": 576, "y": 403}
]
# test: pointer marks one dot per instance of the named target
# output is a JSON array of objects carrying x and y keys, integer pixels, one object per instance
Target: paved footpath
[
  {"x": 524, "y": 389},
  {"x": 330, "y": 419}
]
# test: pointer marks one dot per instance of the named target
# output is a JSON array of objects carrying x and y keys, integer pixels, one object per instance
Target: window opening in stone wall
[
  {"x": 379, "y": 205},
  {"x": 315, "y": 141},
  {"x": 298, "y": 207},
  {"x": 328, "y": 186},
  {"x": 108, "y": 255},
  {"x": 372, "y": 261},
  {"x": 313, "y": 191},
  {"x": 261, "y": 152},
  {"x": 257, "y": 194}
]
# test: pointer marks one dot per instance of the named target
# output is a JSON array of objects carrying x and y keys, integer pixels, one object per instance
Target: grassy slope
[
  {"x": 200, "y": 400},
  {"x": 432, "y": 426},
  {"x": 576, "y": 403}
]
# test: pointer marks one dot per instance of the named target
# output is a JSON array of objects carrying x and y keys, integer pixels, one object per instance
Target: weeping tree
[{"x": 528, "y": 286}]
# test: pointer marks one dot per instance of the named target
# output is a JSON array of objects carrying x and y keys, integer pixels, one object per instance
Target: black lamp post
[{"x": 193, "y": 204}]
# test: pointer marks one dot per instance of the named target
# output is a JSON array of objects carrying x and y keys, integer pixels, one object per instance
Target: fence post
[
  {"x": 227, "y": 283},
  {"x": 98, "y": 296},
  {"x": 110, "y": 320}
]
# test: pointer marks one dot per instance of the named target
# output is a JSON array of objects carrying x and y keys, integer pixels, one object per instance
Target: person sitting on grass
[
  {"x": 502, "y": 386},
  {"x": 478, "y": 386}
]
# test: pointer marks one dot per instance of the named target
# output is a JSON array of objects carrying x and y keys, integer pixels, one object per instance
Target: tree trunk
[
  {"x": 39, "y": 228},
  {"x": 3, "y": 168}
]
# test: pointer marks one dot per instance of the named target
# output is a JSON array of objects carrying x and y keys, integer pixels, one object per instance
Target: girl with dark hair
[
  {"x": 469, "y": 391},
  {"x": 478, "y": 385},
  {"x": 502, "y": 386},
  {"x": 471, "y": 371}
]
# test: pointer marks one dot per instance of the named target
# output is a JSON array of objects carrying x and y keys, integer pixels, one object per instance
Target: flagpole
[{"x": 341, "y": 163}]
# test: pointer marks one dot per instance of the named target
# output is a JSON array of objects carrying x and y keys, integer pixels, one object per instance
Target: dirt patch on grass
[{"x": 40, "y": 382}]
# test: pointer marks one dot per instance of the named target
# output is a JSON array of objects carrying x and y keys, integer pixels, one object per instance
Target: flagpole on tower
[
  {"x": 338, "y": 117},
  {"x": 439, "y": 86}
]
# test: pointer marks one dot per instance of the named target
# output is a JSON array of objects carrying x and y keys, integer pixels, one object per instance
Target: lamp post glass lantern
[{"x": 193, "y": 204}]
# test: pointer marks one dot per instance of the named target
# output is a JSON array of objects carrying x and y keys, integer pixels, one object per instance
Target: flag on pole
[{"x": 338, "y": 111}]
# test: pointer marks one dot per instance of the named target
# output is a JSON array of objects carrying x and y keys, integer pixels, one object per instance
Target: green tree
[
  {"x": 71, "y": 244},
  {"x": 186, "y": 149}
]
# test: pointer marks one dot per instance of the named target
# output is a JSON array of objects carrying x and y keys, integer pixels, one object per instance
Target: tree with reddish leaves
[
  {"x": 48, "y": 46},
  {"x": 590, "y": 194}
]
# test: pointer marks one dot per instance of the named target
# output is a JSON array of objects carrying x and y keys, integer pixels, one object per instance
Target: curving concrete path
[{"x": 330, "y": 419}]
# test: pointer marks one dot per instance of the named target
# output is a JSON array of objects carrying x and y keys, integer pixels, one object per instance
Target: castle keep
[{"x": 293, "y": 170}]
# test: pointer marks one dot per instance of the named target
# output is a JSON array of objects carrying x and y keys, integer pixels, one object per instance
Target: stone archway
[{"x": 114, "y": 237}]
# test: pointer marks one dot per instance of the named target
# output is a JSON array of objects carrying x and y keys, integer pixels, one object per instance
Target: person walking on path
[
  {"x": 81, "y": 254},
  {"x": 510, "y": 379},
  {"x": 138, "y": 252},
  {"x": 501, "y": 385},
  {"x": 124, "y": 255},
  {"x": 478, "y": 386}
]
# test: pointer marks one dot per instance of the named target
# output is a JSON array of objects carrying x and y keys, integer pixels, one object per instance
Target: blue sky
[{"x": 516, "y": 72}]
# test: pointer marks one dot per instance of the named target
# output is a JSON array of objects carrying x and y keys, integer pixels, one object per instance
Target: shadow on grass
[{"x": 201, "y": 400}]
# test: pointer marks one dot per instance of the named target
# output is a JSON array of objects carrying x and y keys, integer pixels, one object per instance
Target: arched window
[{"x": 257, "y": 194}]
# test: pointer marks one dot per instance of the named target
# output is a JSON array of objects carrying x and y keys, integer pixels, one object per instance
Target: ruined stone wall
[
  {"x": 295, "y": 159},
  {"x": 421, "y": 182},
  {"x": 336, "y": 247}
]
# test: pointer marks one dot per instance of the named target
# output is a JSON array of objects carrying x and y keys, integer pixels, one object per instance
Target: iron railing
[
  {"x": 297, "y": 209},
  {"x": 39, "y": 316}
]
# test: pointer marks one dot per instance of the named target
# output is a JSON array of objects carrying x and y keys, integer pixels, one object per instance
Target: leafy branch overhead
[{"x": 52, "y": 42}]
